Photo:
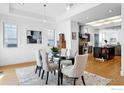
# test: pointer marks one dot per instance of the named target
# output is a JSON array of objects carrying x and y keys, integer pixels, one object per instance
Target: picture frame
[
  {"x": 74, "y": 35},
  {"x": 34, "y": 37}
]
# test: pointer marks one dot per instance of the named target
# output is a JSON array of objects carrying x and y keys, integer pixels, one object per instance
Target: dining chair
[
  {"x": 63, "y": 52},
  {"x": 38, "y": 58},
  {"x": 47, "y": 66},
  {"x": 69, "y": 62},
  {"x": 74, "y": 54},
  {"x": 77, "y": 70}
]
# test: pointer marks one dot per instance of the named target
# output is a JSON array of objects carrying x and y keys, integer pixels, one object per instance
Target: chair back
[
  {"x": 63, "y": 52},
  {"x": 79, "y": 65},
  {"x": 76, "y": 53},
  {"x": 38, "y": 58},
  {"x": 45, "y": 61},
  {"x": 73, "y": 53}
]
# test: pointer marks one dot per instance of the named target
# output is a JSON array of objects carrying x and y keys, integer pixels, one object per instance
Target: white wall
[
  {"x": 24, "y": 52},
  {"x": 4, "y": 8},
  {"x": 64, "y": 27},
  {"x": 121, "y": 39}
]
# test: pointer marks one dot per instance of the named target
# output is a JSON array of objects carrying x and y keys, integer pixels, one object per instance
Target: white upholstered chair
[
  {"x": 76, "y": 70},
  {"x": 63, "y": 52},
  {"x": 69, "y": 62},
  {"x": 38, "y": 58},
  {"x": 73, "y": 54},
  {"x": 47, "y": 66}
]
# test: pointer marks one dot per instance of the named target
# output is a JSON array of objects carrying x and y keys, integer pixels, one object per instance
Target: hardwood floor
[
  {"x": 109, "y": 69},
  {"x": 10, "y": 77}
]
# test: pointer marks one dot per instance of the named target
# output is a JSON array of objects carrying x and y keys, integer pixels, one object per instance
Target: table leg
[
  {"x": 61, "y": 78},
  {"x": 59, "y": 72},
  {"x": 73, "y": 61}
]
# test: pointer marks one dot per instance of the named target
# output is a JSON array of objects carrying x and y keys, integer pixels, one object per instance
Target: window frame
[
  {"x": 49, "y": 39},
  {"x": 4, "y": 34}
]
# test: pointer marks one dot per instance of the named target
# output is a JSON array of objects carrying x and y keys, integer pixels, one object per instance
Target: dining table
[{"x": 59, "y": 65}]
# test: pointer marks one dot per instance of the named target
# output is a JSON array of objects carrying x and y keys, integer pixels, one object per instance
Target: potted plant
[{"x": 55, "y": 50}]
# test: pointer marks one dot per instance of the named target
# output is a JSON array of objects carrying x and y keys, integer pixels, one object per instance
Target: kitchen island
[{"x": 104, "y": 52}]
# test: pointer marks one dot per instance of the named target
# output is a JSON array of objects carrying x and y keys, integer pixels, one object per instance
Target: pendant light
[{"x": 44, "y": 20}]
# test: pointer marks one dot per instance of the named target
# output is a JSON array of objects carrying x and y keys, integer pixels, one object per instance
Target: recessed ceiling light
[
  {"x": 110, "y": 10},
  {"x": 117, "y": 20},
  {"x": 68, "y": 8},
  {"x": 21, "y": 3},
  {"x": 105, "y": 21}
]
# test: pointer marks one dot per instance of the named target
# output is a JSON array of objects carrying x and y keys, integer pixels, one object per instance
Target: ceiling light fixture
[
  {"x": 117, "y": 20},
  {"x": 68, "y": 6},
  {"x": 21, "y": 3},
  {"x": 44, "y": 20},
  {"x": 110, "y": 10},
  {"x": 105, "y": 21}
]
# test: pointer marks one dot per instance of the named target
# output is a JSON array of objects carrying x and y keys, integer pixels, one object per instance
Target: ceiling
[
  {"x": 80, "y": 12},
  {"x": 53, "y": 10},
  {"x": 98, "y": 12}
]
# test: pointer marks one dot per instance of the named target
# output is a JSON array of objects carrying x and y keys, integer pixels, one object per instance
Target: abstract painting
[{"x": 34, "y": 37}]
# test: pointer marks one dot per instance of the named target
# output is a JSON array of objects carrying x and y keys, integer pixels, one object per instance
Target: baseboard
[{"x": 25, "y": 62}]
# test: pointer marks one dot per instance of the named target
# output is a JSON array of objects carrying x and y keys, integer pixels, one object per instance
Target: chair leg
[
  {"x": 47, "y": 77},
  {"x": 83, "y": 80},
  {"x": 39, "y": 71},
  {"x": 54, "y": 72},
  {"x": 61, "y": 78},
  {"x": 75, "y": 80},
  {"x": 42, "y": 74},
  {"x": 36, "y": 69}
]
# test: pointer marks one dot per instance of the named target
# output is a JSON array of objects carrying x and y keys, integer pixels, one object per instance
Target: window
[
  {"x": 110, "y": 34},
  {"x": 51, "y": 37},
  {"x": 10, "y": 35}
]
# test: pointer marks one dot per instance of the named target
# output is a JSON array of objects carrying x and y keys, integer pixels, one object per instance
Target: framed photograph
[
  {"x": 34, "y": 37},
  {"x": 74, "y": 35}
]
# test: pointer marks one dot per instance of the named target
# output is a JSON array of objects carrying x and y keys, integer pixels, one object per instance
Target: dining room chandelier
[{"x": 44, "y": 9}]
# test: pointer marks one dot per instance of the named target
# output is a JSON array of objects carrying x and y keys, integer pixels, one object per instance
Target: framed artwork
[
  {"x": 74, "y": 35},
  {"x": 34, "y": 37}
]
